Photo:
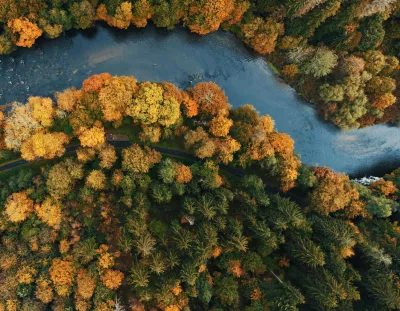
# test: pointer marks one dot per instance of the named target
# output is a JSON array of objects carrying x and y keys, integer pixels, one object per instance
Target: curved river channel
[{"x": 185, "y": 59}]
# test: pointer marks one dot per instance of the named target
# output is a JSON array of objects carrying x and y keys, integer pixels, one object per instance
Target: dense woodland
[
  {"x": 341, "y": 55},
  {"x": 110, "y": 229}
]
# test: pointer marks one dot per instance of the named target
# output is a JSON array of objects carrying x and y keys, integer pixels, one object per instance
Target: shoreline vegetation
[
  {"x": 341, "y": 55},
  {"x": 109, "y": 228}
]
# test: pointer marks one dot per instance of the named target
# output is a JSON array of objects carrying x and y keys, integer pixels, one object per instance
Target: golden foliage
[
  {"x": 96, "y": 180},
  {"x": 62, "y": 275},
  {"x": 44, "y": 145},
  {"x": 85, "y": 154},
  {"x": 290, "y": 70},
  {"x": 18, "y": 207},
  {"x": 333, "y": 192},
  {"x": 220, "y": 125},
  {"x": 150, "y": 134},
  {"x": 177, "y": 290},
  {"x": 116, "y": 95},
  {"x": 112, "y": 278},
  {"x": 386, "y": 187},
  {"x": 384, "y": 101},
  {"x": 122, "y": 17},
  {"x": 24, "y": 32},
  {"x": 49, "y": 212},
  {"x": 42, "y": 110},
  {"x": 26, "y": 274},
  {"x": 106, "y": 260},
  {"x": 282, "y": 143},
  {"x": 85, "y": 284},
  {"x": 44, "y": 292},
  {"x": 256, "y": 294},
  {"x": 261, "y": 34},
  {"x": 67, "y": 100},
  {"x": 139, "y": 160},
  {"x": 107, "y": 156},
  {"x": 235, "y": 267},
  {"x": 92, "y": 137},
  {"x": 211, "y": 99},
  {"x": 184, "y": 174},
  {"x": 217, "y": 252}
]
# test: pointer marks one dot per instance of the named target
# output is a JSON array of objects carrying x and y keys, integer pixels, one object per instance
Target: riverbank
[{"x": 178, "y": 56}]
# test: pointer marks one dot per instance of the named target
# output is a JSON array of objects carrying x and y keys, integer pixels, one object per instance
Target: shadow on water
[{"x": 186, "y": 59}]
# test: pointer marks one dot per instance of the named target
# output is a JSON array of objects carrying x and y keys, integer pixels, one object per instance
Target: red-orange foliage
[
  {"x": 206, "y": 16},
  {"x": 385, "y": 187},
  {"x": 211, "y": 99},
  {"x": 95, "y": 82}
]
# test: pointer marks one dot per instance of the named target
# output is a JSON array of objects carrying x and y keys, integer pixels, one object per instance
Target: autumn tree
[
  {"x": 62, "y": 275},
  {"x": 220, "y": 125},
  {"x": 96, "y": 180},
  {"x": 206, "y": 16},
  {"x": 107, "y": 156},
  {"x": 116, "y": 96},
  {"x": 42, "y": 110},
  {"x": 261, "y": 34},
  {"x": 333, "y": 192},
  {"x": 49, "y": 212},
  {"x": 18, "y": 207},
  {"x": 122, "y": 17},
  {"x": 150, "y": 107},
  {"x": 44, "y": 145},
  {"x": 92, "y": 137},
  {"x": 138, "y": 160},
  {"x": 210, "y": 98},
  {"x": 24, "y": 32},
  {"x": 67, "y": 100},
  {"x": 19, "y": 126}
]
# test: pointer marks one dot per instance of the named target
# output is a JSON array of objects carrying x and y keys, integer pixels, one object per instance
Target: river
[{"x": 185, "y": 59}]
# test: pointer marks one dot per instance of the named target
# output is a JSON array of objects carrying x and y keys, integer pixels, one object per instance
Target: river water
[{"x": 185, "y": 59}]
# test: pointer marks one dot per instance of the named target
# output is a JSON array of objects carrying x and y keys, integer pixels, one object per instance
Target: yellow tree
[
  {"x": 150, "y": 106},
  {"x": 112, "y": 278},
  {"x": 85, "y": 284},
  {"x": 96, "y": 180},
  {"x": 67, "y": 100},
  {"x": 92, "y": 137},
  {"x": 122, "y": 17},
  {"x": 24, "y": 32},
  {"x": 42, "y": 110},
  {"x": 49, "y": 212},
  {"x": 62, "y": 275},
  {"x": 138, "y": 160},
  {"x": 44, "y": 145},
  {"x": 115, "y": 97},
  {"x": 107, "y": 156},
  {"x": 220, "y": 125},
  {"x": 18, "y": 207}
]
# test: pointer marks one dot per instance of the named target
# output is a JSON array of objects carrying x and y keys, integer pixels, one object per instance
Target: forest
[
  {"x": 241, "y": 224},
  {"x": 341, "y": 55}
]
